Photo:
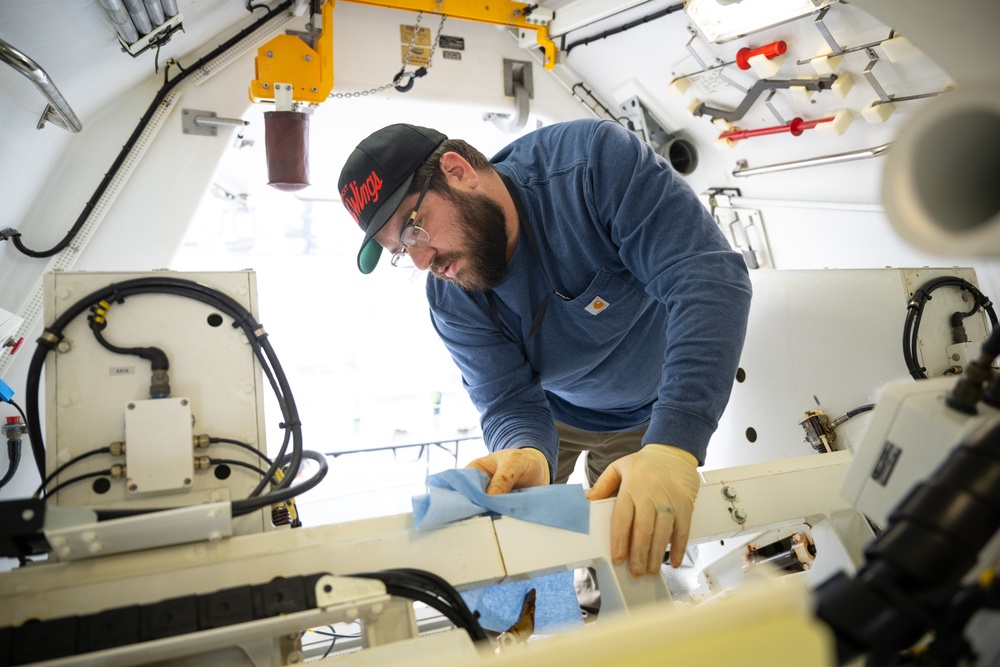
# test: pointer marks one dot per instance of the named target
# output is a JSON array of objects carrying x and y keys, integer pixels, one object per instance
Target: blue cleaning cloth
[
  {"x": 461, "y": 493},
  {"x": 556, "y": 607}
]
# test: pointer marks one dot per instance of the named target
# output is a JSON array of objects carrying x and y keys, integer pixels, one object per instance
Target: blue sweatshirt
[{"x": 655, "y": 326}]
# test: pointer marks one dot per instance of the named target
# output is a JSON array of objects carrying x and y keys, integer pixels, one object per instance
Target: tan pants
[{"x": 602, "y": 449}]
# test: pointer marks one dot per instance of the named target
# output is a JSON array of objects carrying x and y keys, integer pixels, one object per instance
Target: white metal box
[{"x": 95, "y": 397}]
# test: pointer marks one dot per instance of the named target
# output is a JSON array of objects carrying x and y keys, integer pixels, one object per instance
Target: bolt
[
  {"x": 28, "y": 515},
  {"x": 133, "y": 487},
  {"x": 956, "y": 356},
  {"x": 63, "y": 346},
  {"x": 308, "y": 58},
  {"x": 729, "y": 493},
  {"x": 740, "y": 516},
  {"x": 270, "y": 54},
  {"x": 265, "y": 86}
]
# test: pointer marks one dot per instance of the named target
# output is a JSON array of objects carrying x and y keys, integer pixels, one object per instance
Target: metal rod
[
  {"x": 850, "y": 156},
  {"x": 212, "y": 121},
  {"x": 33, "y": 71},
  {"x": 761, "y": 203}
]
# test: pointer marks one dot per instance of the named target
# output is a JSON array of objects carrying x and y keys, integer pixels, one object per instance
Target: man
[{"x": 588, "y": 298}]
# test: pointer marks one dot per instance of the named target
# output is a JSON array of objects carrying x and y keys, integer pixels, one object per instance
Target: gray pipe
[
  {"x": 119, "y": 17},
  {"x": 169, "y": 7},
  {"x": 140, "y": 18},
  {"x": 155, "y": 12},
  {"x": 29, "y": 68}
]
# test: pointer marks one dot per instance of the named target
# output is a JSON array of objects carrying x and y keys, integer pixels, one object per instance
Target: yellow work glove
[
  {"x": 513, "y": 469},
  {"x": 656, "y": 490}
]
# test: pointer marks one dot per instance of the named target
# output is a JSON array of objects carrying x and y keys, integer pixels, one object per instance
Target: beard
[{"x": 484, "y": 227}]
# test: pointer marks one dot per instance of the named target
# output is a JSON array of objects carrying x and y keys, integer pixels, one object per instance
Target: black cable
[
  {"x": 154, "y": 107},
  {"x": 73, "y": 461},
  {"x": 860, "y": 409},
  {"x": 241, "y": 464},
  {"x": 13, "y": 460},
  {"x": 240, "y": 507},
  {"x": 622, "y": 28},
  {"x": 329, "y": 648},
  {"x": 915, "y": 311},
  {"x": 433, "y": 591},
  {"x": 78, "y": 478},
  {"x": 156, "y": 357},
  {"x": 244, "y": 445},
  {"x": 17, "y": 407}
]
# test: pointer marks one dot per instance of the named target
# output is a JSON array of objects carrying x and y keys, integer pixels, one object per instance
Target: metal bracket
[
  {"x": 743, "y": 227},
  {"x": 517, "y": 83},
  {"x": 774, "y": 112},
  {"x": 870, "y": 76},
  {"x": 823, "y": 30}
]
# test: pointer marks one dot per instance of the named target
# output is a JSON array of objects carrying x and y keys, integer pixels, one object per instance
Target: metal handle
[
  {"x": 58, "y": 110},
  {"x": 862, "y": 154}
]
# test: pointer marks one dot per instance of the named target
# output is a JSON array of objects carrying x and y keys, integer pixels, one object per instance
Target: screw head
[
  {"x": 729, "y": 493},
  {"x": 740, "y": 516}
]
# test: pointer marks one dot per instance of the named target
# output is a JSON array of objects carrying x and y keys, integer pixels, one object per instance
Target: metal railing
[
  {"x": 58, "y": 110},
  {"x": 423, "y": 447}
]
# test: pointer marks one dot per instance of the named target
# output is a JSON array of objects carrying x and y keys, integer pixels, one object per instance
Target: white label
[{"x": 597, "y": 306}]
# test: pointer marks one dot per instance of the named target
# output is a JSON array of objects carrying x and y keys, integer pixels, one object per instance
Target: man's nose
[{"x": 422, "y": 257}]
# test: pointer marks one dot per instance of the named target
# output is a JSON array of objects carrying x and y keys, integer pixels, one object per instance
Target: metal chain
[
  {"x": 437, "y": 38},
  {"x": 406, "y": 58}
]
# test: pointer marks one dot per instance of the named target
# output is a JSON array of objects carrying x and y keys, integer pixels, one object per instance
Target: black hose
[
  {"x": 915, "y": 310},
  {"x": 860, "y": 409},
  {"x": 622, "y": 28},
  {"x": 154, "y": 106},
  {"x": 156, "y": 357},
  {"x": 13, "y": 459},
  {"x": 433, "y": 591}
]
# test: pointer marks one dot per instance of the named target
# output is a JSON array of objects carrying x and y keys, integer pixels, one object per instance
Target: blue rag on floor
[{"x": 460, "y": 493}]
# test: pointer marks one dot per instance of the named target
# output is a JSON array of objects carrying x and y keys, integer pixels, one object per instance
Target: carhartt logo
[
  {"x": 596, "y": 306},
  {"x": 357, "y": 197}
]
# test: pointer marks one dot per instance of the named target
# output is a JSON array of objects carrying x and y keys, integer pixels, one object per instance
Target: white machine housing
[{"x": 96, "y": 397}]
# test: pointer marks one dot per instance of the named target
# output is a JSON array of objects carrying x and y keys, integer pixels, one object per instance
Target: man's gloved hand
[
  {"x": 656, "y": 490},
  {"x": 513, "y": 469}
]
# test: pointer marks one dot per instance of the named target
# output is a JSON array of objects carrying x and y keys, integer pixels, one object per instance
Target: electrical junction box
[
  {"x": 158, "y": 436},
  {"x": 911, "y": 433},
  {"x": 95, "y": 397}
]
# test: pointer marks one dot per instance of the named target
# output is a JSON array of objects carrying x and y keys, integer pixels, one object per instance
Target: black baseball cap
[{"x": 377, "y": 176}]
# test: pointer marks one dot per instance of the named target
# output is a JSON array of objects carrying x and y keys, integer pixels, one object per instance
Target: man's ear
[{"x": 458, "y": 172}]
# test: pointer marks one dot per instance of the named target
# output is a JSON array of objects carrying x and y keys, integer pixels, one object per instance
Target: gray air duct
[{"x": 940, "y": 187}]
